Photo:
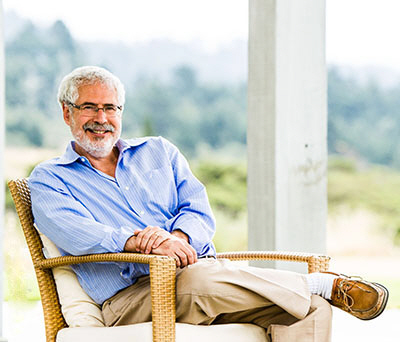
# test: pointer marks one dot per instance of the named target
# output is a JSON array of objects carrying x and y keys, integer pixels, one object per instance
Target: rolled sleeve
[
  {"x": 194, "y": 216},
  {"x": 119, "y": 238},
  {"x": 199, "y": 233}
]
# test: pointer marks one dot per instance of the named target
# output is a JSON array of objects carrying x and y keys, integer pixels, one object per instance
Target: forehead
[{"x": 97, "y": 93}]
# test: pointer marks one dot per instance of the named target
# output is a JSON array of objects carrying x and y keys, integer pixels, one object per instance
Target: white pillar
[
  {"x": 287, "y": 126},
  {"x": 2, "y": 132}
]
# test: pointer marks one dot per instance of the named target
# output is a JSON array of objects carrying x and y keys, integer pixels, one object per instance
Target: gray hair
[{"x": 69, "y": 86}]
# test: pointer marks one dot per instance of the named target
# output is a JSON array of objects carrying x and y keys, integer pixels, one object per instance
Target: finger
[
  {"x": 150, "y": 243},
  {"x": 139, "y": 236},
  {"x": 148, "y": 238},
  {"x": 137, "y": 239},
  {"x": 143, "y": 238},
  {"x": 160, "y": 239},
  {"x": 177, "y": 260},
  {"x": 155, "y": 240},
  {"x": 182, "y": 257},
  {"x": 194, "y": 253},
  {"x": 191, "y": 254}
]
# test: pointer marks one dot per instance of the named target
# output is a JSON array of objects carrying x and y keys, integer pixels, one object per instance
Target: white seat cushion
[{"x": 184, "y": 332}]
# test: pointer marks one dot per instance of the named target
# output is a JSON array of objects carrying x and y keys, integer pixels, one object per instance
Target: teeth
[{"x": 98, "y": 132}]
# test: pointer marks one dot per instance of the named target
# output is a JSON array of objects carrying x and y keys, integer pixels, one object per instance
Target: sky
[
  {"x": 358, "y": 32},
  {"x": 141, "y": 20}
]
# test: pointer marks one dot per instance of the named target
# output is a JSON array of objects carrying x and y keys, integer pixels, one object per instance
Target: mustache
[{"x": 98, "y": 127}]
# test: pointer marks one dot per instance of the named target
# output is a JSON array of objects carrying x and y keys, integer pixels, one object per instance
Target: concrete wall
[{"x": 287, "y": 126}]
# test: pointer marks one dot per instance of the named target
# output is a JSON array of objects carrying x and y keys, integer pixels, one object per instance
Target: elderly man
[{"x": 106, "y": 194}]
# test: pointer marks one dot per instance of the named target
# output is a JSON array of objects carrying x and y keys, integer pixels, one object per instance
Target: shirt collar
[
  {"x": 123, "y": 145},
  {"x": 71, "y": 156}
]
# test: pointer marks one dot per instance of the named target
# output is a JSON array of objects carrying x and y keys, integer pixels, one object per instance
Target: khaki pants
[{"x": 219, "y": 291}]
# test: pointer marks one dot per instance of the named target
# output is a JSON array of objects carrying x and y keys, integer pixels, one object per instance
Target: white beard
[{"x": 99, "y": 148}]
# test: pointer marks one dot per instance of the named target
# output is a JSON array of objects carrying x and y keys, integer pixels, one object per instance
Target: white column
[
  {"x": 2, "y": 133},
  {"x": 287, "y": 126}
]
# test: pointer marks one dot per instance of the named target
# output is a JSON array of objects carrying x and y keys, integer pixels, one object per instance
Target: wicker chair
[{"x": 162, "y": 271}]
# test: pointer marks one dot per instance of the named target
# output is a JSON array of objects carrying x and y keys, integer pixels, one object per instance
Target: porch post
[{"x": 287, "y": 126}]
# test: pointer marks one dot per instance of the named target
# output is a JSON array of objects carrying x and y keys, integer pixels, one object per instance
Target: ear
[{"x": 66, "y": 114}]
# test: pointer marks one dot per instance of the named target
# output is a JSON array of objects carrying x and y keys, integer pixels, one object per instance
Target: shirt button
[
  {"x": 82, "y": 159},
  {"x": 142, "y": 212},
  {"x": 127, "y": 188}
]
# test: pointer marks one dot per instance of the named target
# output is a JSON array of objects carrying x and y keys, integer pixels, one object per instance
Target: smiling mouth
[{"x": 96, "y": 131}]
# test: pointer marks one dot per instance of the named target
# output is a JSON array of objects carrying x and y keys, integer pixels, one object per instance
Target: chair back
[{"x": 53, "y": 318}]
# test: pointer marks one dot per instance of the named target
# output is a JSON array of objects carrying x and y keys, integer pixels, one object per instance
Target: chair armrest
[
  {"x": 162, "y": 285},
  {"x": 315, "y": 262},
  {"x": 101, "y": 257}
]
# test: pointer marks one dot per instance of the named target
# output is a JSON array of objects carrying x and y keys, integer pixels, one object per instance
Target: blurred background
[{"x": 184, "y": 66}]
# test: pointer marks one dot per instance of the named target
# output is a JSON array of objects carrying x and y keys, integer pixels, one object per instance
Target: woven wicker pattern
[
  {"x": 162, "y": 271},
  {"x": 315, "y": 262},
  {"x": 53, "y": 318}
]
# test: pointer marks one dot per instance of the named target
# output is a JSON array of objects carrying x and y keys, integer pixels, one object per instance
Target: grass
[
  {"x": 375, "y": 188},
  {"x": 231, "y": 234},
  {"x": 20, "y": 279}
]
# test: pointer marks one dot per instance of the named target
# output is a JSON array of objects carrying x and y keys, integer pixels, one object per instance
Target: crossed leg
[{"x": 218, "y": 291}]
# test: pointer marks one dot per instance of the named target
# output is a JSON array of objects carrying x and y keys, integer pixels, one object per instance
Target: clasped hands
[{"x": 158, "y": 241}]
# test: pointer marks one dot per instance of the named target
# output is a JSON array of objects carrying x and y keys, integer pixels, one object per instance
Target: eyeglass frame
[{"x": 119, "y": 108}]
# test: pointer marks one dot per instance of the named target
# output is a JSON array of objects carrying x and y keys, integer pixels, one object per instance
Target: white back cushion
[{"x": 78, "y": 309}]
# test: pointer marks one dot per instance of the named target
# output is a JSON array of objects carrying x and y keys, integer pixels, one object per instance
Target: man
[{"x": 106, "y": 194}]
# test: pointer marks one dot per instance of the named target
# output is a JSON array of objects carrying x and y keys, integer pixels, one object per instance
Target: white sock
[{"x": 321, "y": 284}]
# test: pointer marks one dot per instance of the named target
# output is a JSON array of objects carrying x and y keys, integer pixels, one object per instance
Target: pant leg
[
  {"x": 211, "y": 287},
  {"x": 129, "y": 306},
  {"x": 315, "y": 327},
  {"x": 218, "y": 291}
]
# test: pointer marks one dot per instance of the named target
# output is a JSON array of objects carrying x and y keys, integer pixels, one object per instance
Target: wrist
[
  {"x": 130, "y": 244},
  {"x": 180, "y": 234}
]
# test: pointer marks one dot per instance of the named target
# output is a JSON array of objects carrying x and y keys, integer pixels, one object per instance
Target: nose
[{"x": 101, "y": 116}]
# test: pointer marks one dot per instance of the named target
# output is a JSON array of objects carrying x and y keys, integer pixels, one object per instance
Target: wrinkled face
[{"x": 97, "y": 133}]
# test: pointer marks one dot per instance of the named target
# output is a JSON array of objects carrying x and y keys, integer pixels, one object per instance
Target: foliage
[
  {"x": 20, "y": 284},
  {"x": 20, "y": 280},
  {"x": 363, "y": 119},
  {"x": 231, "y": 233},
  {"x": 8, "y": 199},
  {"x": 183, "y": 109},
  {"x": 226, "y": 186},
  {"x": 374, "y": 188},
  {"x": 338, "y": 163},
  {"x": 187, "y": 112},
  {"x": 36, "y": 59}
]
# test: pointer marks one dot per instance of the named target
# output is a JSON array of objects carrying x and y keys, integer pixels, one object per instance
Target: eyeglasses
[{"x": 91, "y": 109}]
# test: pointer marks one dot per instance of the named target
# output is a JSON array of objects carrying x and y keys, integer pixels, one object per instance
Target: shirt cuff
[
  {"x": 120, "y": 237},
  {"x": 198, "y": 233}
]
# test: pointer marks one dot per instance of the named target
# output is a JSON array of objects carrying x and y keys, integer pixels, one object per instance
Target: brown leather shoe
[{"x": 362, "y": 299}]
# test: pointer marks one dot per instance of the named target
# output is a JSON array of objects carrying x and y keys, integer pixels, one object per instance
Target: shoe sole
[{"x": 384, "y": 302}]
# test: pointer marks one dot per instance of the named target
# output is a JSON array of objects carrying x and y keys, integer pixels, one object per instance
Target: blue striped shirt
[{"x": 83, "y": 210}]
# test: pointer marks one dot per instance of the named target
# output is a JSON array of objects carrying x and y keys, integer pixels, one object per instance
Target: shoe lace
[{"x": 345, "y": 285}]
